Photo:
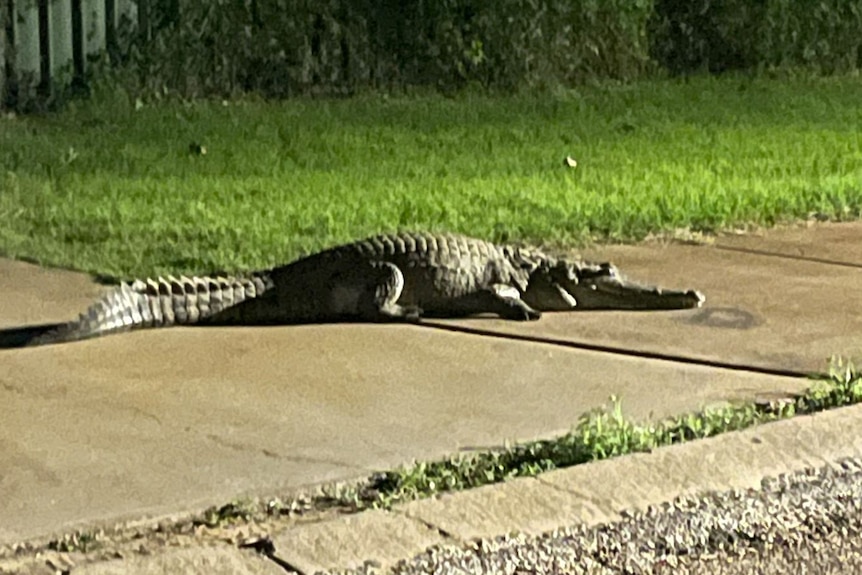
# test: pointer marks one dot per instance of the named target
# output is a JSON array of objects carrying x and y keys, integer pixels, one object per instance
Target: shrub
[
  {"x": 287, "y": 47},
  {"x": 718, "y": 35}
]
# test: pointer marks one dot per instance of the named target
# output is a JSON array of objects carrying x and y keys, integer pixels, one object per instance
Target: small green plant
[
  {"x": 841, "y": 386},
  {"x": 235, "y": 511},
  {"x": 77, "y": 541}
]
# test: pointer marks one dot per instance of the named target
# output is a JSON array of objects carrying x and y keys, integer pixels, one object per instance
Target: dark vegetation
[{"x": 282, "y": 48}]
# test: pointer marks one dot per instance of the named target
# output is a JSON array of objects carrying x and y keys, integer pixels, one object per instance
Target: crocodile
[{"x": 399, "y": 277}]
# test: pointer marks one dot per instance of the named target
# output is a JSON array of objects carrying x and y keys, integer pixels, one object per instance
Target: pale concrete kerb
[
  {"x": 377, "y": 536},
  {"x": 210, "y": 560},
  {"x": 523, "y": 505}
]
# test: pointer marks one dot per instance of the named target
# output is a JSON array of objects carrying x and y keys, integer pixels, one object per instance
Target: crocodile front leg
[{"x": 501, "y": 300}]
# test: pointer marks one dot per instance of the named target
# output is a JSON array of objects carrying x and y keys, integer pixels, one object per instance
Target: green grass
[{"x": 110, "y": 187}]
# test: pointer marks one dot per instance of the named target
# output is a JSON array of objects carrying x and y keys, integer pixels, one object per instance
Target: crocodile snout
[{"x": 612, "y": 292}]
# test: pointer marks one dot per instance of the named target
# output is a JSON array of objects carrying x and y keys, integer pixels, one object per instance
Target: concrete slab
[
  {"x": 35, "y": 295},
  {"x": 763, "y": 312},
  {"x": 523, "y": 505},
  {"x": 209, "y": 560},
  {"x": 198, "y": 558},
  {"x": 838, "y": 244},
  {"x": 175, "y": 420},
  {"x": 378, "y": 537},
  {"x": 592, "y": 494}
]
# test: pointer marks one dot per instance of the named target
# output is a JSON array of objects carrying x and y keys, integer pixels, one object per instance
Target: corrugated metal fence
[{"x": 46, "y": 45}]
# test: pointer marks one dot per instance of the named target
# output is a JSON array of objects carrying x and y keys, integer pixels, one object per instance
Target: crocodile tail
[{"x": 160, "y": 302}]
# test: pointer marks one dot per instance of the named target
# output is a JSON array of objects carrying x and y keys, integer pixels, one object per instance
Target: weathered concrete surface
[
  {"x": 200, "y": 558},
  {"x": 348, "y": 542},
  {"x": 594, "y": 494},
  {"x": 762, "y": 310},
  {"x": 209, "y": 560},
  {"x": 174, "y": 420},
  {"x": 828, "y": 243},
  {"x": 32, "y": 294}
]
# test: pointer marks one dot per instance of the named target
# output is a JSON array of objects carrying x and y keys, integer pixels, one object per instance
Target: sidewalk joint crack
[{"x": 657, "y": 356}]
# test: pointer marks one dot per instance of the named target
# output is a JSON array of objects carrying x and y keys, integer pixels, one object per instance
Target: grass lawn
[{"x": 110, "y": 187}]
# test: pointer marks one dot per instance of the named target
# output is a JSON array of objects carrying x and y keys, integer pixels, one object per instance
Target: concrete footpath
[{"x": 168, "y": 422}]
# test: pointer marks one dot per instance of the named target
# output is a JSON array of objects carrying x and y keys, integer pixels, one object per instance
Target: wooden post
[
  {"x": 93, "y": 23},
  {"x": 4, "y": 8},
  {"x": 127, "y": 15},
  {"x": 143, "y": 20},
  {"x": 25, "y": 34},
  {"x": 60, "y": 43}
]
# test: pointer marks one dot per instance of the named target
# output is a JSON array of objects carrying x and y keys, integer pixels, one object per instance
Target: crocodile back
[{"x": 436, "y": 267}]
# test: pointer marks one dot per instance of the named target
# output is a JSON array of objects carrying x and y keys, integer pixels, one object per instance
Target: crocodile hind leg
[
  {"x": 380, "y": 285},
  {"x": 364, "y": 291}
]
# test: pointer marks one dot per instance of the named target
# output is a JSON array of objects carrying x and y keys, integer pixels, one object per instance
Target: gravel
[{"x": 806, "y": 522}]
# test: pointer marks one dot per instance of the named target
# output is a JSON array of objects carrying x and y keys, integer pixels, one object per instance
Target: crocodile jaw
[
  {"x": 578, "y": 286},
  {"x": 614, "y": 293}
]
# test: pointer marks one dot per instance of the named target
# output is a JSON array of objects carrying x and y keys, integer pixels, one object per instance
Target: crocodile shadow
[{"x": 20, "y": 336}]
